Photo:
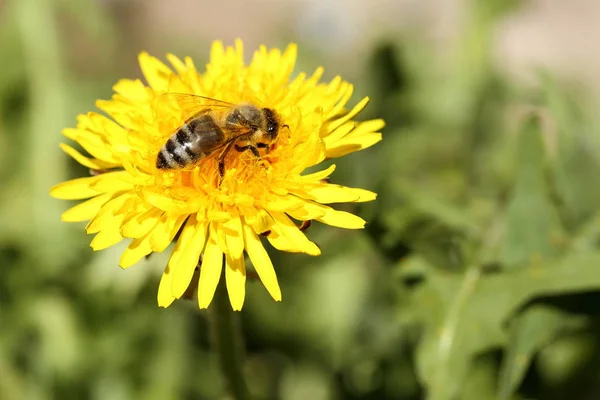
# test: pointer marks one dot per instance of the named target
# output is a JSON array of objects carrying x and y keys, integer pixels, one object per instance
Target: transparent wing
[{"x": 191, "y": 104}]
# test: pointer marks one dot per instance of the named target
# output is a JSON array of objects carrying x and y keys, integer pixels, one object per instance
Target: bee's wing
[{"x": 191, "y": 104}]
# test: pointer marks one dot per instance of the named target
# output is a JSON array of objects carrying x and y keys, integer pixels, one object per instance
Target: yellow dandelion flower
[{"x": 219, "y": 217}]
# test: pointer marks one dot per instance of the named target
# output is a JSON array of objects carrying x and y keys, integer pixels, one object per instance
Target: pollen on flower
[{"x": 181, "y": 160}]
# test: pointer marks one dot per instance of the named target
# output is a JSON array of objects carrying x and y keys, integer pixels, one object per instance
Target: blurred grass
[
  {"x": 476, "y": 277},
  {"x": 47, "y": 97}
]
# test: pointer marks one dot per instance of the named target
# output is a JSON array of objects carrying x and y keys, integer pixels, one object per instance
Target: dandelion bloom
[{"x": 219, "y": 218}]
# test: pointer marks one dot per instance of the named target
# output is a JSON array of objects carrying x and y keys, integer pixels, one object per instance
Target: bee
[{"x": 217, "y": 126}]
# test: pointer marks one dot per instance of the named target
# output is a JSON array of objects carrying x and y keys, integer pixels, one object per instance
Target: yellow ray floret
[{"x": 216, "y": 220}]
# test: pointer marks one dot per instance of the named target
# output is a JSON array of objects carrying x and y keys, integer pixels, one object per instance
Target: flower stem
[{"x": 227, "y": 341}]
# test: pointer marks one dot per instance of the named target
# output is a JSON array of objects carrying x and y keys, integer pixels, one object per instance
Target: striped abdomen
[{"x": 193, "y": 141}]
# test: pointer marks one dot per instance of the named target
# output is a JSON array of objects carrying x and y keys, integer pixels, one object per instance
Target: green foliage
[{"x": 477, "y": 276}]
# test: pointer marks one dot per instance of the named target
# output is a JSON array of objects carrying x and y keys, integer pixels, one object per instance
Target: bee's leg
[
  {"x": 253, "y": 149},
  {"x": 261, "y": 145},
  {"x": 222, "y": 167},
  {"x": 222, "y": 158}
]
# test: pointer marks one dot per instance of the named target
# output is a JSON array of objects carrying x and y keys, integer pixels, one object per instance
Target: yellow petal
[
  {"x": 298, "y": 82},
  {"x": 210, "y": 272},
  {"x": 156, "y": 73},
  {"x": 280, "y": 242},
  {"x": 113, "y": 182},
  {"x": 219, "y": 236},
  {"x": 282, "y": 203},
  {"x": 107, "y": 214},
  {"x": 165, "y": 231},
  {"x": 168, "y": 204},
  {"x": 75, "y": 189},
  {"x": 235, "y": 278},
  {"x": 341, "y": 219},
  {"x": 138, "y": 224},
  {"x": 186, "y": 255},
  {"x": 234, "y": 237},
  {"x": 330, "y": 93},
  {"x": 359, "y": 129},
  {"x": 106, "y": 238},
  {"x": 125, "y": 118},
  {"x": 94, "y": 143},
  {"x": 261, "y": 262},
  {"x": 317, "y": 176},
  {"x": 346, "y": 93},
  {"x": 291, "y": 232},
  {"x": 98, "y": 131},
  {"x": 351, "y": 114},
  {"x": 189, "y": 63},
  {"x": 86, "y": 210},
  {"x": 328, "y": 193},
  {"x": 219, "y": 216},
  {"x": 309, "y": 210},
  {"x": 176, "y": 62},
  {"x": 137, "y": 249},
  {"x": 165, "y": 298},
  {"x": 86, "y": 161},
  {"x": 350, "y": 144},
  {"x": 362, "y": 136},
  {"x": 259, "y": 220},
  {"x": 288, "y": 61},
  {"x": 132, "y": 89},
  {"x": 332, "y": 136},
  {"x": 316, "y": 76},
  {"x": 217, "y": 52},
  {"x": 372, "y": 125}
]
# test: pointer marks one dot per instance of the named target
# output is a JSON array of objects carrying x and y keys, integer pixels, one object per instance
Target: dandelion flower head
[{"x": 213, "y": 218}]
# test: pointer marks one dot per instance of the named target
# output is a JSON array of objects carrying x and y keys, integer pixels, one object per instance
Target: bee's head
[{"x": 271, "y": 123}]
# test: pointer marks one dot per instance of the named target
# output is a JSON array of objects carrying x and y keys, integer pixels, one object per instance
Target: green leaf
[
  {"x": 435, "y": 228},
  {"x": 482, "y": 380},
  {"x": 533, "y": 225},
  {"x": 563, "y": 359},
  {"x": 577, "y": 162},
  {"x": 452, "y": 338},
  {"x": 442, "y": 210},
  {"x": 530, "y": 331},
  {"x": 464, "y": 316},
  {"x": 532, "y": 221}
]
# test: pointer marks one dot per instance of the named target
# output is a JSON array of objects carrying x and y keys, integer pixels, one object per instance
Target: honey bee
[{"x": 217, "y": 126}]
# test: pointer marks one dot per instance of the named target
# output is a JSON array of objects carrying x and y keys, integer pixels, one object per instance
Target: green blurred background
[{"x": 477, "y": 277}]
